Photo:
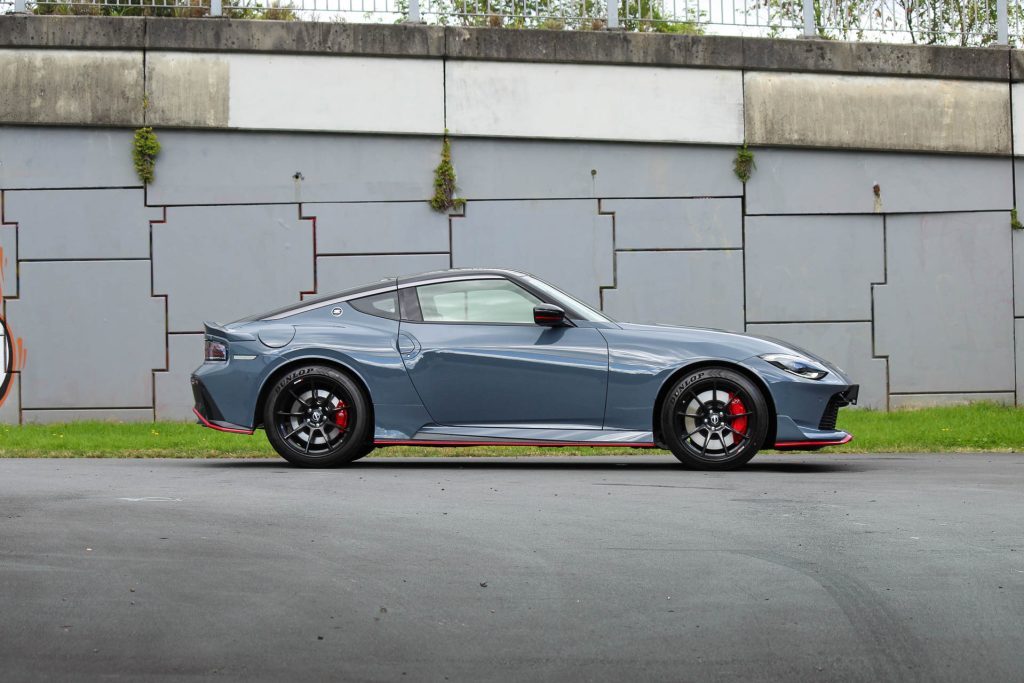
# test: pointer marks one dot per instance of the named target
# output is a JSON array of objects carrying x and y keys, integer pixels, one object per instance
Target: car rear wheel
[
  {"x": 316, "y": 416},
  {"x": 714, "y": 419}
]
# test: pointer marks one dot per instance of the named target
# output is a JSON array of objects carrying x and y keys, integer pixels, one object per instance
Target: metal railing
[{"x": 957, "y": 22}]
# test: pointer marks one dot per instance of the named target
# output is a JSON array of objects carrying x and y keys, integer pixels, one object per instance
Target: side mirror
[{"x": 548, "y": 315}]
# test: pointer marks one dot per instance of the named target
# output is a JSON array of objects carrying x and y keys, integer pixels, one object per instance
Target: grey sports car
[{"x": 497, "y": 357}]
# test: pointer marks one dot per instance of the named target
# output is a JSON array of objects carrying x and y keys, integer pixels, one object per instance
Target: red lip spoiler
[
  {"x": 813, "y": 444},
  {"x": 207, "y": 423}
]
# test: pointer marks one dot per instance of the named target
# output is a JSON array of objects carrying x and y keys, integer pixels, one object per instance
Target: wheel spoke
[
  {"x": 690, "y": 415},
  {"x": 687, "y": 436},
  {"x": 737, "y": 433},
  {"x": 296, "y": 396},
  {"x": 294, "y": 431},
  {"x": 281, "y": 412},
  {"x": 704, "y": 448},
  {"x": 732, "y": 416},
  {"x": 308, "y": 441}
]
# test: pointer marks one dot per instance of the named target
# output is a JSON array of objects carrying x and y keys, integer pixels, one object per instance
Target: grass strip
[{"x": 978, "y": 427}]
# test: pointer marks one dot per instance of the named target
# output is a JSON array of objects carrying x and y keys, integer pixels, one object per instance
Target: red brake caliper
[
  {"x": 736, "y": 407},
  {"x": 341, "y": 416}
]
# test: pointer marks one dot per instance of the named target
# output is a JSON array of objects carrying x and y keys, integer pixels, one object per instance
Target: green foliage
[
  {"x": 144, "y": 152},
  {"x": 1014, "y": 221},
  {"x": 444, "y": 198},
  {"x": 928, "y": 22},
  {"x": 743, "y": 164}
]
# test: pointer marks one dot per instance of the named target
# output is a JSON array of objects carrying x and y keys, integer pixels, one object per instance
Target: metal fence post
[
  {"x": 810, "y": 30},
  {"x": 20, "y": 7},
  {"x": 613, "y": 14},
  {"x": 414, "y": 12},
  {"x": 216, "y": 8},
  {"x": 1002, "y": 23}
]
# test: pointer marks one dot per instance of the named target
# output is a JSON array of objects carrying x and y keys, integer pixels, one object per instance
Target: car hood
[{"x": 742, "y": 345}]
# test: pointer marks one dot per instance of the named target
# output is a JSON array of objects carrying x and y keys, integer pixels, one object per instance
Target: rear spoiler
[{"x": 215, "y": 330}]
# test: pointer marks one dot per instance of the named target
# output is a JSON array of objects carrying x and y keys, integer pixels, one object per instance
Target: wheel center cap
[
  {"x": 715, "y": 419},
  {"x": 317, "y": 416}
]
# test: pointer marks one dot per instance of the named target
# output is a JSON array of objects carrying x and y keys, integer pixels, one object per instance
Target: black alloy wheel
[
  {"x": 316, "y": 416},
  {"x": 714, "y": 418}
]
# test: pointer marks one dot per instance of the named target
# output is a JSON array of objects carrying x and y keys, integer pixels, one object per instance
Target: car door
[{"x": 476, "y": 357}]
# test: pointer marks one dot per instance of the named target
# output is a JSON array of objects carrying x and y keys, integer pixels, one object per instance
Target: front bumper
[
  {"x": 825, "y": 434},
  {"x": 806, "y": 410},
  {"x": 209, "y": 414}
]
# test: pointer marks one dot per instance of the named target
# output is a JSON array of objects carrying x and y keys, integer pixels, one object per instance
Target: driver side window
[{"x": 476, "y": 301}]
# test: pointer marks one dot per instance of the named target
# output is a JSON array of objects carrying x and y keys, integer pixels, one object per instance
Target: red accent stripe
[
  {"x": 435, "y": 442},
  {"x": 796, "y": 444},
  {"x": 207, "y": 423}
]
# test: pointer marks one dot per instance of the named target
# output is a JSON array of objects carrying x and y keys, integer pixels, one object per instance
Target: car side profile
[{"x": 499, "y": 357}]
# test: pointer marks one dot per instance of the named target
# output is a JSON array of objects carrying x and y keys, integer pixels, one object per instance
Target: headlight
[
  {"x": 216, "y": 350},
  {"x": 798, "y": 365}
]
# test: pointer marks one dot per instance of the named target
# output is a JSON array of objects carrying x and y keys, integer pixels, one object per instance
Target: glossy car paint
[{"x": 596, "y": 383}]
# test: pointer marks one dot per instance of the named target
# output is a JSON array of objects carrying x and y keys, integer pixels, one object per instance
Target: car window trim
[{"x": 331, "y": 302}]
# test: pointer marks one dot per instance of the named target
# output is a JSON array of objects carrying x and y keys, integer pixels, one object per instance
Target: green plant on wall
[
  {"x": 444, "y": 198},
  {"x": 1015, "y": 221},
  {"x": 144, "y": 152},
  {"x": 743, "y": 164}
]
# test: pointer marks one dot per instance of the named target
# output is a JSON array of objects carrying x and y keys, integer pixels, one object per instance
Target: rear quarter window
[{"x": 380, "y": 305}]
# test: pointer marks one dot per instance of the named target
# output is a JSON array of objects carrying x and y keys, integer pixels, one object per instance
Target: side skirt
[{"x": 435, "y": 435}]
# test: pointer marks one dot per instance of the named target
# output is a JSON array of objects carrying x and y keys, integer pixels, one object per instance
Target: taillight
[{"x": 216, "y": 350}]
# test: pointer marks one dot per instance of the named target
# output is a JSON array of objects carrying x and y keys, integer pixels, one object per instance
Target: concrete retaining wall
[{"x": 298, "y": 159}]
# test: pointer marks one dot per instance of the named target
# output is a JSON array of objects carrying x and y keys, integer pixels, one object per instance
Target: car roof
[
  {"x": 379, "y": 286},
  {"x": 457, "y": 272}
]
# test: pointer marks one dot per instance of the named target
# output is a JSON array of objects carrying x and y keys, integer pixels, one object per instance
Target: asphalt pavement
[{"x": 607, "y": 568}]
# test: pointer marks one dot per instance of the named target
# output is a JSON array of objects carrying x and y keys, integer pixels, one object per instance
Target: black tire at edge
[
  {"x": 669, "y": 429},
  {"x": 357, "y": 445}
]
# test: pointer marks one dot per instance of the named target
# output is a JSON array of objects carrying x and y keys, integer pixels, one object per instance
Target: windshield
[{"x": 572, "y": 305}]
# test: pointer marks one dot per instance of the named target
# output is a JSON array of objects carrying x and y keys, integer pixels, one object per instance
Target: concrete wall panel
[
  {"x": 92, "y": 333},
  {"x": 173, "y": 388},
  {"x": 77, "y": 224},
  {"x": 911, "y": 401},
  {"x": 701, "y": 288},
  {"x": 575, "y": 101},
  {"x": 37, "y": 158},
  {"x": 676, "y": 223},
  {"x": 800, "y": 181},
  {"x": 806, "y": 268},
  {"x": 533, "y": 169},
  {"x": 566, "y": 243},
  {"x": 96, "y": 87},
  {"x": 10, "y": 409},
  {"x": 872, "y": 112},
  {"x": 847, "y": 345},
  {"x": 248, "y": 168},
  {"x": 337, "y": 93},
  {"x": 944, "y": 320},
  {"x": 335, "y": 273},
  {"x": 241, "y": 260},
  {"x": 1018, "y": 271},
  {"x": 1019, "y": 336},
  {"x": 76, "y": 415},
  {"x": 378, "y": 227},
  {"x": 187, "y": 89},
  {"x": 8, "y": 263}
]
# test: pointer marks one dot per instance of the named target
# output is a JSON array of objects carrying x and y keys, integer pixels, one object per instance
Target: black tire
[
  {"x": 316, "y": 416},
  {"x": 714, "y": 418}
]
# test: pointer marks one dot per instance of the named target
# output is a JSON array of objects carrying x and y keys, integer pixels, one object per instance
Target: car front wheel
[
  {"x": 714, "y": 418},
  {"x": 316, "y": 416}
]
